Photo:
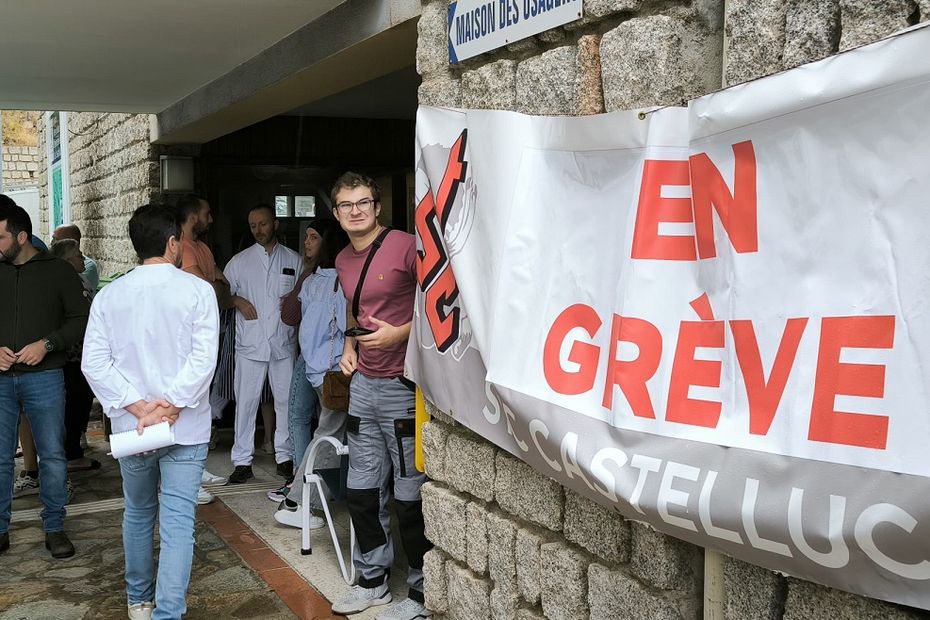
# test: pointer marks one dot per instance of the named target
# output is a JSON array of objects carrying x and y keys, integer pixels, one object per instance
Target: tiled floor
[{"x": 290, "y": 587}]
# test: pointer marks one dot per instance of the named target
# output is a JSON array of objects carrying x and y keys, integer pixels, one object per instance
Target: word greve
[{"x": 764, "y": 386}]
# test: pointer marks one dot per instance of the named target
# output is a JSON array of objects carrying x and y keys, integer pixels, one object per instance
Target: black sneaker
[
  {"x": 286, "y": 470},
  {"x": 4, "y": 541},
  {"x": 288, "y": 504},
  {"x": 241, "y": 474},
  {"x": 59, "y": 545}
]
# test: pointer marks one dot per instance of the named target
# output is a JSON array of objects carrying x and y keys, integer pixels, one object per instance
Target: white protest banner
[{"x": 713, "y": 318}]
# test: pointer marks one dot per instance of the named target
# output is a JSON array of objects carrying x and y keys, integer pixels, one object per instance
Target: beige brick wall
[
  {"x": 20, "y": 167},
  {"x": 511, "y": 543}
]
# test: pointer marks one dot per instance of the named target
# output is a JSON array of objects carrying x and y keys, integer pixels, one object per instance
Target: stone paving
[
  {"x": 90, "y": 585},
  {"x": 91, "y": 485},
  {"x": 235, "y": 575}
]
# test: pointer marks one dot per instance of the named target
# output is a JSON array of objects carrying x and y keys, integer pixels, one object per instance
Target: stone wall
[
  {"x": 20, "y": 167},
  {"x": 41, "y": 229},
  {"x": 510, "y": 542},
  {"x": 113, "y": 170}
]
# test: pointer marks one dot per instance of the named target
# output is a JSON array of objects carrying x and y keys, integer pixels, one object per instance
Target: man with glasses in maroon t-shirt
[{"x": 377, "y": 272}]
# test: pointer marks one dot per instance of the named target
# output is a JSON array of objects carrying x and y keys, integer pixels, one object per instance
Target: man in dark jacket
[{"x": 43, "y": 313}]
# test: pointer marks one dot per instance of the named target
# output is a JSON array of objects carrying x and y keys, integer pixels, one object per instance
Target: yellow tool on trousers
[{"x": 421, "y": 418}]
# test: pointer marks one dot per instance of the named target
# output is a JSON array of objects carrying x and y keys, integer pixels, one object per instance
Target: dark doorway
[{"x": 291, "y": 162}]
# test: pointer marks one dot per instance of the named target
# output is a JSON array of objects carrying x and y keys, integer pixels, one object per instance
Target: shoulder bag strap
[{"x": 361, "y": 278}]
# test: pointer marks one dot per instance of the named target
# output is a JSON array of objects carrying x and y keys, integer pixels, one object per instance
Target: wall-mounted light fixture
[{"x": 177, "y": 173}]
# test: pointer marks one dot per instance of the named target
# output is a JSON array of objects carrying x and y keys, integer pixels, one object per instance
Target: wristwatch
[{"x": 49, "y": 345}]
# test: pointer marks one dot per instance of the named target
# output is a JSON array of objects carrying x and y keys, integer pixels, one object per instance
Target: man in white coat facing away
[{"x": 149, "y": 356}]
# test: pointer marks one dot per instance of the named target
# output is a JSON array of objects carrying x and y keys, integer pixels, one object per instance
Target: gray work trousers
[{"x": 381, "y": 436}]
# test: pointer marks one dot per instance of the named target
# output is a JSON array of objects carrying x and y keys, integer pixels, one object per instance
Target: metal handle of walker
[{"x": 313, "y": 478}]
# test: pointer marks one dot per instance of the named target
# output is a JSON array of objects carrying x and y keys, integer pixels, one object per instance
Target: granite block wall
[
  {"x": 510, "y": 542},
  {"x": 525, "y": 547}
]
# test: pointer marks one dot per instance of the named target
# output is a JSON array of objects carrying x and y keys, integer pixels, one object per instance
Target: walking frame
[{"x": 310, "y": 477}]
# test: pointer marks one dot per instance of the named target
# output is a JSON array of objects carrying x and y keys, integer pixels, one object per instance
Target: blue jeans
[
  {"x": 175, "y": 471},
  {"x": 41, "y": 395},
  {"x": 303, "y": 407}
]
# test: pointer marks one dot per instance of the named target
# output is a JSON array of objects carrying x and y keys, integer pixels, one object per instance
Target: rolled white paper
[{"x": 152, "y": 438}]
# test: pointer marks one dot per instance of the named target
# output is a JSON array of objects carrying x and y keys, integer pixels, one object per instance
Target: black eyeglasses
[{"x": 364, "y": 205}]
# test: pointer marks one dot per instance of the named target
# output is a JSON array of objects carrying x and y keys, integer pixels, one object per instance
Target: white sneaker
[
  {"x": 407, "y": 609},
  {"x": 204, "y": 496},
  {"x": 141, "y": 611},
  {"x": 359, "y": 599},
  {"x": 25, "y": 485},
  {"x": 212, "y": 479},
  {"x": 286, "y": 516}
]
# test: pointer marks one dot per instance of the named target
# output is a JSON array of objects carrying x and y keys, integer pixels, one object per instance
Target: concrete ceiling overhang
[
  {"x": 133, "y": 55},
  {"x": 355, "y": 43},
  {"x": 205, "y": 68}
]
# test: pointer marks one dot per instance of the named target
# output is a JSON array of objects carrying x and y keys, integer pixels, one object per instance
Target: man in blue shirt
[
  {"x": 38, "y": 243},
  {"x": 90, "y": 274}
]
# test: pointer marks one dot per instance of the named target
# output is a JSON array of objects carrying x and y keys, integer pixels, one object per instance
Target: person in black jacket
[{"x": 43, "y": 313}]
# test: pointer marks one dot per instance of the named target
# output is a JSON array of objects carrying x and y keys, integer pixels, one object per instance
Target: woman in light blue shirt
[
  {"x": 322, "y": 336},
  {"x": 303, "y": 405}
]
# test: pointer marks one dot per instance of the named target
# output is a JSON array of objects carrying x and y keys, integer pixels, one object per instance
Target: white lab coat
[
  {"x": 153, "y": 333},
  {"x": 259, "y": 278}
]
